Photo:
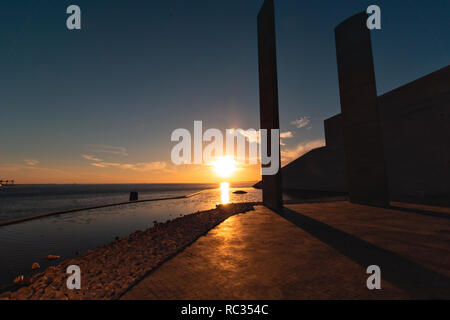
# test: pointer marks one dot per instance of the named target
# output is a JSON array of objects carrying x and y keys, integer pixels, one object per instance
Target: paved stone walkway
[{"x": 312, "y": 251}]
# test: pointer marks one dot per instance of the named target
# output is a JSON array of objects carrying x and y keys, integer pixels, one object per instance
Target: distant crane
[{"x": 6, "y": 183}]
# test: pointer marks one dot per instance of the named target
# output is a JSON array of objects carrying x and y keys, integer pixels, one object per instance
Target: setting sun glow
[{"x": 224, "y": 166}]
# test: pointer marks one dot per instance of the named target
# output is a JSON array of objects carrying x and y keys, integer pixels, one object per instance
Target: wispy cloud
[
  {"x": 288, "y": 155},
  {"x": 31, "y": 162},
  {"x": 301, "y": 122},
  {"x": 99, "y": 162},
  {"x": 252, "y": 136},
  {"x": 91, "y": 158},
  {"x": 103, "y": 148},
  {"x": 285, "y": 135},
  {"x": 141, "y": 166},
  {"x": 29, "y": 166}
]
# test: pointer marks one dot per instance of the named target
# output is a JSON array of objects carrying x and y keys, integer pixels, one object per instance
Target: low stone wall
[{"x": 109, "y": 271}]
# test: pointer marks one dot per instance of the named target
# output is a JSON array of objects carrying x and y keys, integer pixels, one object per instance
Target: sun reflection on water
[{"x": 225, "y": 192}]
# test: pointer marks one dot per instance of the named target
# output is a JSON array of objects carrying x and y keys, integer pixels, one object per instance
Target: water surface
[{"x": 64, "y": 235}]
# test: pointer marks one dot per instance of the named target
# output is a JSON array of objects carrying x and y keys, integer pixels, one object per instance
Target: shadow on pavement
[{"x": 417, "y": 280}]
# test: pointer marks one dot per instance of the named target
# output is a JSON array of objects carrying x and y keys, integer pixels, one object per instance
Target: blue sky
[{"x": 140, "y": 69}]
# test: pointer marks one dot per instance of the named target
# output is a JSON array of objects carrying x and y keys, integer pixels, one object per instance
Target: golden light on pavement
[{"x": 225, "y": 192}]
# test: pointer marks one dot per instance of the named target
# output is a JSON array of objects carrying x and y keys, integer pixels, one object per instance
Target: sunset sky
[{"x": 99, "y": 105}]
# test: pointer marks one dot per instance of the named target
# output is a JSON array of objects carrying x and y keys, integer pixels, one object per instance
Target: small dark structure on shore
[{"x": 134, "y": 196}]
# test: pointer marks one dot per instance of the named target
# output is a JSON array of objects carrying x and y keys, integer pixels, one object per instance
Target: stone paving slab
[
  {"x": 411, "y": 233},
  {"x": 315, "y": 251}
]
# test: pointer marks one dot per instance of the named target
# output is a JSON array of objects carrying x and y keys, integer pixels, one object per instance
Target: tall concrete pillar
[
  {"x": 268, "y": 97},
  {"x": 365, "y": 164}
]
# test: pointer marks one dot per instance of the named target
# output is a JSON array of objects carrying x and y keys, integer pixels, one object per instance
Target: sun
[{"x": 224, "y": 166}]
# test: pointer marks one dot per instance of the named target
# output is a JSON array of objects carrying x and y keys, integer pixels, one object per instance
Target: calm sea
[
  {"x": 26, "y": 200},
  {"x": 27, "y": 242}
]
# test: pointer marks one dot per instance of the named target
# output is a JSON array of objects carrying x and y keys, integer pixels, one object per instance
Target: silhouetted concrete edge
[{"x": 268, "y": 99}]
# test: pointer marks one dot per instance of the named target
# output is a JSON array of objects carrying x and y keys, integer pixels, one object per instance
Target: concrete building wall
[
  {"x": 321, "y": 169},
  {"x": 333, "y": 132},
  {"x": 415, "y": 122},
  {"x": 416, "y": 132}
]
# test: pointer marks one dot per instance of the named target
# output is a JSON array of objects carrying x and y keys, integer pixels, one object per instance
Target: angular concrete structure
[
  {"x": 363, "y": 139},
  {"x": 415, "y": 121},
  {"x": 268, "y": 95}
]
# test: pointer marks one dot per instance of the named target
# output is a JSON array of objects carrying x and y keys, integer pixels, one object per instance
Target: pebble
[
  {"x": 52, "y": 257},
  {"x": 19, "y": 279}
]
